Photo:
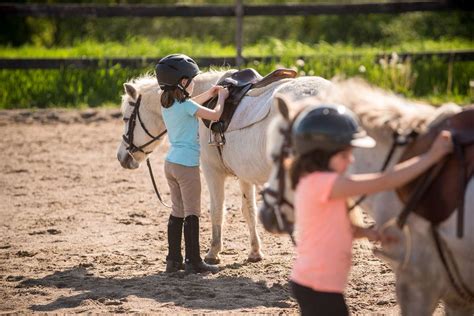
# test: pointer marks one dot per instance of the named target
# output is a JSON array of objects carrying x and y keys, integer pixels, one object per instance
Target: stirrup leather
[{"x": 219, "y": 138}]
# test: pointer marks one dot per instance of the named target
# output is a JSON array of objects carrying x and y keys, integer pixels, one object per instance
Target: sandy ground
[{"x": 80, "y": 234}]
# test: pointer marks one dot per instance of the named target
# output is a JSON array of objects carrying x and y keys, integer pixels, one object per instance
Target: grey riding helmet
[
  {"x": 329, "y": 128},
  {"x": 172, "y": 68}
]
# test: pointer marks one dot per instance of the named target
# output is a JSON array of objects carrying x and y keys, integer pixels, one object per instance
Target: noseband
[{"x": 132, "y": 122}]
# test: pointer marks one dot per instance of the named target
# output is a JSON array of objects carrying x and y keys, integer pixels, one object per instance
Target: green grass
[
  {"x": 431, "y": 79},
  {"x": 142, "y": 47}
]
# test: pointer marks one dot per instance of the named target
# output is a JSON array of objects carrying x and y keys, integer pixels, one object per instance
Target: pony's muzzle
[{"x": 126, "y": 160}]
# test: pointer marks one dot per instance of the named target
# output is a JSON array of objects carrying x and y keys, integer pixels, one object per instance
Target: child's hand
[
  {"x": 215, "y": 90},
  {"x": 442, "y": 145},
  {"x": 362, "y": 232},
  {"x": 386, "y": 238},
  {"x": 372, "y": 234},
  {"x": 223, "y": 93}
]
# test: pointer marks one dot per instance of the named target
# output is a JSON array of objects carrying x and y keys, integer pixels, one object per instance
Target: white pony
[
  {"x": 243, "y": 155},
  {"x": 421, "y": 279}
]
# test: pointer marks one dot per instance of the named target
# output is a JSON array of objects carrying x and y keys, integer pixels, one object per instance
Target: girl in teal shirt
[{"x": 175, "y": 74}]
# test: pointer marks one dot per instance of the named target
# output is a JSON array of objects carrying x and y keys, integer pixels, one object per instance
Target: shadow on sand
[{"x": 189, "y": 291}]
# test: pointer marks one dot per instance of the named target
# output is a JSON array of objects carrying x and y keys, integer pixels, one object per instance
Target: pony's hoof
[
  {"x": 255, "y": 258},
  {"x": 212, "y": 260}
]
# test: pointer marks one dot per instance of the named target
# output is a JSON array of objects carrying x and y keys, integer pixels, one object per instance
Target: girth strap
[
  {"x": 419, "y": 191},
  {"x": 451, "y": 267},
  {"x": 459, "y": 153}
]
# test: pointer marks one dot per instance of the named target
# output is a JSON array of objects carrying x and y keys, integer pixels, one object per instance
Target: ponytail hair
[
  {"x": 170, "y": 95},
  {"x": 316, "y": 160}
]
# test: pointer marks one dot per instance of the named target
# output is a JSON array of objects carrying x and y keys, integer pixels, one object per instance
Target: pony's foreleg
[
  {"x": 414, "y": 297},
  {"x": 215, "y": 182},
  {"x": 249, "y": 210}
]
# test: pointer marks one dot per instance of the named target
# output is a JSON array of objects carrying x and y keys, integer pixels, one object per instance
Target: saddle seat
[
  {"x": 445, "y": 193},
  {"x": 239, "y": 84}
]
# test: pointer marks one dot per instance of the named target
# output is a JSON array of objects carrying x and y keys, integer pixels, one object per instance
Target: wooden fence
[
  {"x": 239, "y": 10},
  {"x": 152, "y": 10}
]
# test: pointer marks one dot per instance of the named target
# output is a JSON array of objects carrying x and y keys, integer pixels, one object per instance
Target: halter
[{"x": 132, "y": 148}]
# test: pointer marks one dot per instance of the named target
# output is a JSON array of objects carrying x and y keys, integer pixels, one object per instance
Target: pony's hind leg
[
  {"x": 215, "y": 182},
  {"x": 249, "y": 210}
]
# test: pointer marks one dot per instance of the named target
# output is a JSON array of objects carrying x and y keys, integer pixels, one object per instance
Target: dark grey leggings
[{"x": 312, "y": 302}]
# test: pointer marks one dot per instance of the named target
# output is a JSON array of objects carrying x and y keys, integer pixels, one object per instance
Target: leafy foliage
[{"x": 429, "y": 78}]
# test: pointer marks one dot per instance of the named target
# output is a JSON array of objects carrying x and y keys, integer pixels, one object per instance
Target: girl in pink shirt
[{"x": 323, "y": 138}]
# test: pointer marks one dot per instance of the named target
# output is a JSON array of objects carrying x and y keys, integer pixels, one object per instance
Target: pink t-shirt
[{"x": 323, "y": 234}]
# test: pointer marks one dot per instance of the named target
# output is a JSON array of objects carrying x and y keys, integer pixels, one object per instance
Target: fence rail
[
  {"x": 150, "y": 10},
  {"x": 239, "y": 11},
  {"x": 80, "y": 63}
]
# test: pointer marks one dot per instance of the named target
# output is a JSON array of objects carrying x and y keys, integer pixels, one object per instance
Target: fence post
[{"x": 239, "y": 14}]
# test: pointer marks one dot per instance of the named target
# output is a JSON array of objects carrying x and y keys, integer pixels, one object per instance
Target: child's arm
[
  {"x": 214, "y": 114},
  {"x": 373, "y": 235},
  {"x": 361, "y": 232},
  {"x": 203, "y": 97},
  {"x": 400, "y": 174}
]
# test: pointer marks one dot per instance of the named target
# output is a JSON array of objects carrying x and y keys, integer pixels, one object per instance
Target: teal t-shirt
[{"x": 182, "y": 126}]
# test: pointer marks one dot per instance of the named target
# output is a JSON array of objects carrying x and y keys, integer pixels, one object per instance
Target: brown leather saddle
[
  {"x": 440, "y": 191},
  {"x": 238, "y": 84}
]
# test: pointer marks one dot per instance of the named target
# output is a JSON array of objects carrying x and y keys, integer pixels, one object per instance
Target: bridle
[
  {"x": 279, "y": 194},
  {"x": 132, "y": 148},
  {"x": 132, "y": 122}
]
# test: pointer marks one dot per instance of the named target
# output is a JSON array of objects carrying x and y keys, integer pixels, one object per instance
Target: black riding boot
[
  {"x": 194, "y": 263},
  {"x": 174, "y": 259}
]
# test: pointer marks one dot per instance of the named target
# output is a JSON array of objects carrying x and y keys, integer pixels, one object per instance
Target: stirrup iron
[{"x": 219, "y": 138}]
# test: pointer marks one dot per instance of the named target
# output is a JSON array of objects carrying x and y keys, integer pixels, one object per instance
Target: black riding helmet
[
  {"x": 172, "y": 68},
  {"x": 329, "y": 128}
]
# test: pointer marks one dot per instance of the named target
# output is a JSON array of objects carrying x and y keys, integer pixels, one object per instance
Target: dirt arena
[{"x": 80, "y": 234}]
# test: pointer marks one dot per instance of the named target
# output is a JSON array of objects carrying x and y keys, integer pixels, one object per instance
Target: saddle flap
[
  {"x": 442, "y": 196},
  {"x": 238, "y": 84}
]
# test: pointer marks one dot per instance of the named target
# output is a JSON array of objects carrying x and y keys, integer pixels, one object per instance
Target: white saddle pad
[{"x": 255, "y": 106}]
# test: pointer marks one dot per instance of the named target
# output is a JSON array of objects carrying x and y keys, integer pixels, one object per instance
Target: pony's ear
[
  {"x": 282, "y": 103},
  {"x": 130, "y": 90}
]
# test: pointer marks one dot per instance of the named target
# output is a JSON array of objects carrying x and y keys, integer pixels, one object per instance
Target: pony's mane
[
  {"x": 144, "y": 82},
  {"x": 379, "y": 109},
  {"x": 147, "y": 82}
]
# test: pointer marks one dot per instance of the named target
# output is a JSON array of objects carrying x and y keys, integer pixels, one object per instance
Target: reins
[
  {"x": 398, "y": 140},
  {"x": 154, "y": 184},
  {"x": 132, "y": 148}
]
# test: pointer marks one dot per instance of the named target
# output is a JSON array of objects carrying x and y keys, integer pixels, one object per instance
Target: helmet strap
[{"x": 183, "y": 89}]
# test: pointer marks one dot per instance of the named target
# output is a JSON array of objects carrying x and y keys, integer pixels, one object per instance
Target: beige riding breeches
[{"x": 185, "y": 188}]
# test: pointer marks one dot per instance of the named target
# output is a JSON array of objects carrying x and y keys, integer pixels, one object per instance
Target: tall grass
[{"x": 431, "y": 78}]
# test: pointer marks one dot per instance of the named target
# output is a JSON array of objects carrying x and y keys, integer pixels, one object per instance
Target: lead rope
[{"x": 154, "y": 184}]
